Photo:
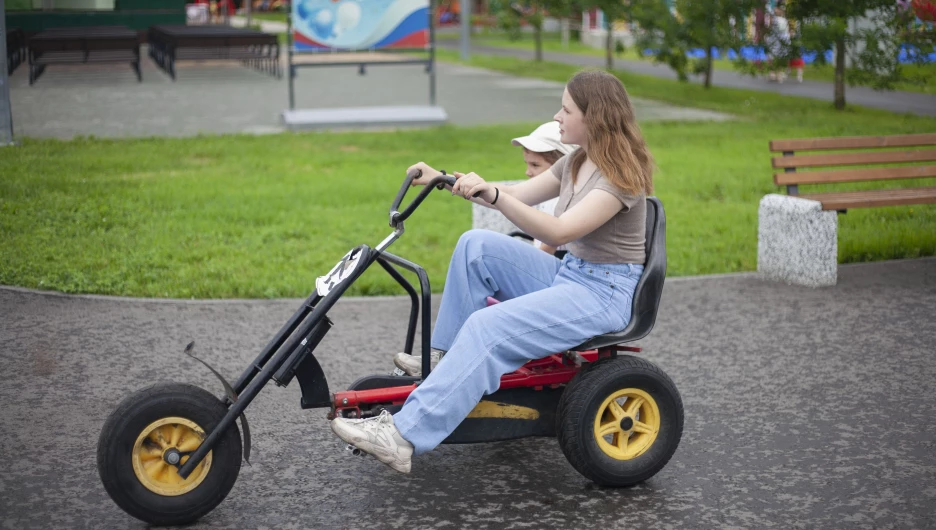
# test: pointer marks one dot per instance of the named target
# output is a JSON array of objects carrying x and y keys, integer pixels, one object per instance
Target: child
[{"x": 541, "y": 149}]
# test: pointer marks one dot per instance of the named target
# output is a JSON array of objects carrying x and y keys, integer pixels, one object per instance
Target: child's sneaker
[
  {"x": 412, "y": 364},
  {"x": 377, "y": 436}
]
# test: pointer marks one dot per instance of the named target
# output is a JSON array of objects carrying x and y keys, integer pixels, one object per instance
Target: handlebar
[{"x": 439, "y": 182}]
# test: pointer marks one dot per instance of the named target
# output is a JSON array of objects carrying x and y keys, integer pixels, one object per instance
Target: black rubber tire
[
  {"x": 135, "y": 413},
  {"x": 579, "y": 405}
]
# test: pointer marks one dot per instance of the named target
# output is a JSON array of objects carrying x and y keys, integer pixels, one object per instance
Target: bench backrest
[{"x": 790, "y": 162}]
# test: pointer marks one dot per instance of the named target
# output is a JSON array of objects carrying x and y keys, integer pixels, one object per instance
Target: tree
[
  {"x": 670, "y": 33},
  {"x": 867, "y": 37},
  {"x": 511, "y": 15},
  {"x": 614, "y": 10}
]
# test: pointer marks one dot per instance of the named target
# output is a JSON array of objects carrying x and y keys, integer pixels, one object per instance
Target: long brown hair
[{"x": 615, "y": 144}]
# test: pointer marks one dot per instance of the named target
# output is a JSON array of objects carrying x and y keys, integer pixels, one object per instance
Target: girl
[
  {"x": 541, "y": 149},
  {"x": 547, "y": 305}
]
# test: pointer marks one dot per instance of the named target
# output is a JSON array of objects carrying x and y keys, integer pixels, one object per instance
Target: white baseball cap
[{"x": 544, "y": 139}]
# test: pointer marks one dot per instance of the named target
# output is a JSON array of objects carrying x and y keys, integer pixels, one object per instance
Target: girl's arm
[
  {"x": 540, "y": 188},
  {"x": 594, "y": 210}
]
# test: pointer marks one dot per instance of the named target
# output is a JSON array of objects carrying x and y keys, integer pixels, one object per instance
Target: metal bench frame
[{"x": 81, "y": 45}]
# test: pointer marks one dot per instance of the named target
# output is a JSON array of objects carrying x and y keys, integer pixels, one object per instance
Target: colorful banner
[{"x": 326, "y": 25}]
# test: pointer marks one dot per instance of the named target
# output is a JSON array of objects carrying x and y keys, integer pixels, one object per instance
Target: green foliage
[
  {"x": 870, "y": 50},
  {"x": 705, "y": 24},
  {"x": 510, "y": 16}
]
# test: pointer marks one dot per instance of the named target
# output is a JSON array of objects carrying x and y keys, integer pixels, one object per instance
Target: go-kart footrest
[{"x": 575, "y": 357}]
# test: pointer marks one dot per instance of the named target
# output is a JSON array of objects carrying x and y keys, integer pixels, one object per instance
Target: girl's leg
[
  {"x": 501, "y": 338},
  {"x": 484, "y": 264}
]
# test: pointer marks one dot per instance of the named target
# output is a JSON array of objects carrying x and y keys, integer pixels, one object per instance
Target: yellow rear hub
[
  {"x": 161, "y": 449},
  {"x": 627, "y": 424}
]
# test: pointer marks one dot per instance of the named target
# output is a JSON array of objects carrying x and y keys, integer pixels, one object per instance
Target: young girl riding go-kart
[{"x": 543, "y": 362}]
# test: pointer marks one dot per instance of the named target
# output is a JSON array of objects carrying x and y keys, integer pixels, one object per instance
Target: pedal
[
  {"x": 397, "y": 372},
  {"x": 354, "y": 450}
]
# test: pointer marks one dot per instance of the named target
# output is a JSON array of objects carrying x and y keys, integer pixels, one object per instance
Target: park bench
[
  {"x": 16, "y": 48},
  {"x": 168, "y": 44},
  {"x": 790, "y": 162},
  {"x": 83, "y": 45},
  {"x": 798, "y": 232}
]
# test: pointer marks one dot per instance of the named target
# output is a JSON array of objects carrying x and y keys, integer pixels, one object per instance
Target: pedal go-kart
[{"x": 171, "y": 452}]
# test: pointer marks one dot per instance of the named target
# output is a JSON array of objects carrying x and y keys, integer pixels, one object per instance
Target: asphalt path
[{"x": 804, "y": 409}]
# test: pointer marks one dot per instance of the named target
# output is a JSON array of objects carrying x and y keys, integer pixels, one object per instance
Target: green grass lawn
[
  {"x": 262, "y": 216},
  {"x": 276, "y": 16},
  {"x": 552, "y": 43}
]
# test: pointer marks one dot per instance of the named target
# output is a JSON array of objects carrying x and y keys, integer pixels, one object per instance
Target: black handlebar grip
[
  {"x": 451, "y": 182},
  {"x": 410, "y": 176}
]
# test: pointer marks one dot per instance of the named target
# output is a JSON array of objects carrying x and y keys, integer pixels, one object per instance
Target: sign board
[
  {"x": 344, "y": 25},
  {"x": 196, "y": 14}
]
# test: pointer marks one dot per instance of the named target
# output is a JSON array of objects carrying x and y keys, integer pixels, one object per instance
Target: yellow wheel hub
[
  {"x": 627, "y": 424},
  {"x": 161, "y": 449}
]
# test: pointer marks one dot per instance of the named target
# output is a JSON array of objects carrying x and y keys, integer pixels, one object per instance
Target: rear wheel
[
  {"x": 620, "y": 421},
  {"x": 145, "y": 441}
]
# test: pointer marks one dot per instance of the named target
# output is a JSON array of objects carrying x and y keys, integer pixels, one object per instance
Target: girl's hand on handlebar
[
  {"x": 469, "y": 185},
  {"x": 427, "y": 173}
]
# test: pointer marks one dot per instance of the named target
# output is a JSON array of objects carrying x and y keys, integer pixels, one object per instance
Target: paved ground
[
  {"x": 922, "y": 104},
  {"x": 106, "y": 100},
  {"x": 804, "y": 409}
]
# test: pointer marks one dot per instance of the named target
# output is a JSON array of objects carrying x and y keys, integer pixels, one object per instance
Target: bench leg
[{"x": 797, "y": 242}]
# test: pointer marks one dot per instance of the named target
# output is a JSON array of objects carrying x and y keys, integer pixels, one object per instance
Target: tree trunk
[
  {"x": 538, "y": 39},
  {"x": 708, "y": 67},
  {"x": 564, "y": 29},
  {"x": 609, "y": 47},
  {"x": 840, "y": 73}
]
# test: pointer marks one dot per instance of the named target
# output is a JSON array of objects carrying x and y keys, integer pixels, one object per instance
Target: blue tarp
[{"x": 757, "y": 53}]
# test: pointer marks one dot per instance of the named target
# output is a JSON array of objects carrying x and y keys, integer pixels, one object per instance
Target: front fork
[{"x": 289, "y": 353}]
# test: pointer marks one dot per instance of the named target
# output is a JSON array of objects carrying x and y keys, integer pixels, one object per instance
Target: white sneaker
[
  {"x": 379, "y": 437},
  {"x": 412, "y": 364}
]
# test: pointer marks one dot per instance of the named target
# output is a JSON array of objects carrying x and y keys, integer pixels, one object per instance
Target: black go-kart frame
[{"x": 171, "y": 452}]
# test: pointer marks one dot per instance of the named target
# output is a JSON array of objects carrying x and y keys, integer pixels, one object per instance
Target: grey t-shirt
[{"x": 620, "y": 240}]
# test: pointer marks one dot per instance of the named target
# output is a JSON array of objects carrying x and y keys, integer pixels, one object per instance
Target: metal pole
[
  {"x": 247, "y": 4},
  {"x": 465, "y": 29},
  {"x": 6, "y": 111},
  {"x": 432, "y": 43},
  {"x": 290, "y": 71}
]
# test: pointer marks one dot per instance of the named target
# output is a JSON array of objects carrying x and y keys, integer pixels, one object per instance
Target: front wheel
[
  {"x": 149, "y": 436},
  {"x": 620, "y": 421}
]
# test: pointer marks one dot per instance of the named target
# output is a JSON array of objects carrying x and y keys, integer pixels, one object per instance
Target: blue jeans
[{"x": 548, "y": 306}]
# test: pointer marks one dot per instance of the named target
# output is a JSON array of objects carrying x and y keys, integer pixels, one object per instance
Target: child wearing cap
[{"x": 541, "y": 149}]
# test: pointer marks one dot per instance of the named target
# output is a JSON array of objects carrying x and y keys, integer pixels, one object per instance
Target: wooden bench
[
  {"x": 874, "y": 153},
  {"x": 797, "y": 240}
]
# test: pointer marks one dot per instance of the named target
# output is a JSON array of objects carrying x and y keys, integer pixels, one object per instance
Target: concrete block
[
  {"x": 797, "y": 242},
  {"x": 489, "y": 219},
  {"x": 364, "y": 117}
]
